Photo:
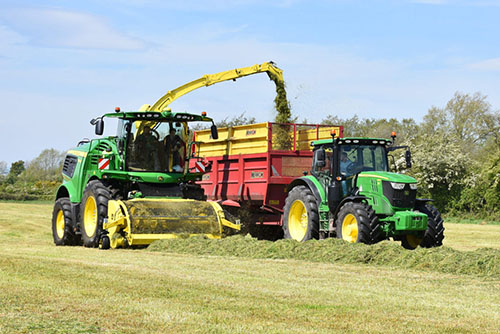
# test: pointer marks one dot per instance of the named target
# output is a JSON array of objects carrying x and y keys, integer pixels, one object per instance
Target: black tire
[
  {"x": 434, "y": 234},
  {"x": 368, "y": 226},
  {"x": 410, "y": 241},
  {"x": 297, "y": 197},
  {"x": 105, "y": 242},
  {"x": 96, "y": 195},
  {"x": 63, "y": 234}
]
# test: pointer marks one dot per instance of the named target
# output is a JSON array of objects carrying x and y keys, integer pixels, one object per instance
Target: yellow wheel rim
[
  {"x": 60, "y": 224},
  {"x": 90, "y": 217},
  {"x": 350, "y": 228},
  {"x": 413, "y": 241},
  {"x": 297, "y": 220}
]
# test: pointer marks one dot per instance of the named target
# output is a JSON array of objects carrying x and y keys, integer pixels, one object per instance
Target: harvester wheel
[
  {"x": 357, "y": 222},
  {"x": 62, "y": 223},
  {"x": 94, "y": 209},
  {"x": 105, "y": 242},
  {"x": 434, "y": 234},
  {"x": 300, "y": 216}
]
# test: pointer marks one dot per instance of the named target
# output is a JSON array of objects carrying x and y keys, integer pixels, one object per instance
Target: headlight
[
  {"x": 397, "y": 186},
  {"x": 413, "y": 186}
]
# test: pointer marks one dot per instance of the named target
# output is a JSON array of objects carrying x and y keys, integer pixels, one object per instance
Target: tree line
[{"x": 455, "y": 150}]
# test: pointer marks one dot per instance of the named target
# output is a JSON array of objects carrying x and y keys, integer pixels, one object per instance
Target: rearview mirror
[
  {"x": 320, "y": 158},
  {"x": 408, "y": 159},
  {"x": 99, "y": 127},
  {"x": 215, "y": 133}
]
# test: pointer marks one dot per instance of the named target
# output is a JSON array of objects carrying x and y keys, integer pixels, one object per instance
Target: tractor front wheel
[
  {"x": 94, "y": 209},
  {"x": 62, "y": 224},
  {"x": 434, "y": 234},
  {"x": 300, "y": 216},
  {"x": 410, "y": 241},
  {"x": 357, "y": 222}
]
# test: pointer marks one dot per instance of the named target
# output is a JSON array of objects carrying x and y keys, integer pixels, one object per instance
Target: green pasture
[{"x": 171, "y": 289}]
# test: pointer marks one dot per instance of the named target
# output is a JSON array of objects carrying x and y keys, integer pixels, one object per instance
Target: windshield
[
  {"x": 160, "y": 148},
  {"x": 361, "y": 158}
]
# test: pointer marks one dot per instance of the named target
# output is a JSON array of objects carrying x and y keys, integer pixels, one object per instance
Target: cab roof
[
  {"x": 354, "y": 140},
  {"x": 159, "y": 116}
]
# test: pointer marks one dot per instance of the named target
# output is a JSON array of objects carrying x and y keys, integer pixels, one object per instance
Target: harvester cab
[
  {"x": 136, "y": 187},
  {"x": 352, "y": 194}
]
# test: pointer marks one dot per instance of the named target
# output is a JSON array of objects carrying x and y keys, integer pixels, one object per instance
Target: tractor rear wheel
[
  {"x": 434, "y": 234},
  {"x": 357, "y": 222},
  {"x": 93, "y": 210},
  {"x": 62, "y": 224},
  {"x": 300, "y": 216}
]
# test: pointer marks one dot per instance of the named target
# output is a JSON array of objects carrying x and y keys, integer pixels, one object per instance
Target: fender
[
  {"x": 310, "y": 184},
  {"x": 422, "y": 201},
  {"x": 354, "y": 198}
]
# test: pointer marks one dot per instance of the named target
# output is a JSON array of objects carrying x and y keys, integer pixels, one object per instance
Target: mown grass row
[{"x": 482, "y": 262}]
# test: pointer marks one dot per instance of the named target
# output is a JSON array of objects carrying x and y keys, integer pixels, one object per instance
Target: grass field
[{"x": 48, "y": 289}]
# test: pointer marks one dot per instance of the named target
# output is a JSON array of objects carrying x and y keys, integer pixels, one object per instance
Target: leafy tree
[
  {"x": 236, "y": 120},
  {"x": 47, "y": 166},
  {"x": 468, "y": 119},
  {"x": 406, "y": 129},
  {"x": 16, "y": 169},
  {"x": 441, "y": 168}
]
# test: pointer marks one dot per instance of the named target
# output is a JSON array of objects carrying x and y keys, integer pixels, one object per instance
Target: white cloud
[
  {"x": 486, "y": 65},
  {"x": 209, "y": 6},
  {"x": 431, "y": 2},
  {"x": 69, "y": 29},
  {"x": 484, "y": 3}
]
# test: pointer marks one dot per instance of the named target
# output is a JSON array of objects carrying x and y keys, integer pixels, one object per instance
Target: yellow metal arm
[{"x": 274, "y": 73}]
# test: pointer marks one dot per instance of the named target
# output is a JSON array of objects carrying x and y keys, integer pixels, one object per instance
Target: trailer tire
[
  {"x": 434, "y": 234},
  {"x": 300, "y": 215},
  {"x": 93, "y": 210},
  {"x": 62, "y": 224},
  {"x": 357, "y": 222}
]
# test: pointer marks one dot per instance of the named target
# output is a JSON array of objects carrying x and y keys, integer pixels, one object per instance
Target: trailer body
[{"x": 248, "y": 168}]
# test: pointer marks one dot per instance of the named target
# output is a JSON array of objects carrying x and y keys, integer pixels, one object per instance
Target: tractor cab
[{"x": 344, "y": 159}]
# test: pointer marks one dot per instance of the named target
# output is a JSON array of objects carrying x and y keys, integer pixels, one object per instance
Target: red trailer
[{"x": 251, "y": 165}]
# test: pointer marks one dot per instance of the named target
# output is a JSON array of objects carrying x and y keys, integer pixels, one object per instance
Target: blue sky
[{"x": 65, "y": 62}]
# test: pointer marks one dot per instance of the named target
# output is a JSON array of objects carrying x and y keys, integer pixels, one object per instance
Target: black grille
[
  {"x": 404, "y": 198},
  {"x": 159, "y": 189},
  {"x": 103, "y": 146},
  {"x": 69, "y": 165}
]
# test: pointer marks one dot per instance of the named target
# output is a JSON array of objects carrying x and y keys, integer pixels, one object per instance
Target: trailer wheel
[
  {"x": 357, "y": 222},
  {"x": 300, "y": 216},
  {"x": 94, "y": 209},
  {"x": 434, "y": 234},
  {"x": 62, "y": 223}
]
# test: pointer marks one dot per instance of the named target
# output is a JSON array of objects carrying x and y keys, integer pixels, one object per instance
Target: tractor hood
[{"x": 388, "y": 176}]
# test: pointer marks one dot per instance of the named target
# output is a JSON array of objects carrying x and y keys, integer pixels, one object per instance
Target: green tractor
[
  {"x": 136, "y": 187},
  {"x": 351, "y": 194}
]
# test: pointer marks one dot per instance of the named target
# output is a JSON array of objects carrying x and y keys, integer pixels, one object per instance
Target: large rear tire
[
  {"x": 93, "y": 210},
  {"x": 62, "y": 224},
  {"x": 357, "y": 222},
  {"x": 300, "y": 216},
  {"x": 434, "y": 234}
]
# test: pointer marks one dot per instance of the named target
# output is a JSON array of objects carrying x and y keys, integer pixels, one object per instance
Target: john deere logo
[
  {"x": 407, "y": 193},
  {"x": 251, "y": 132},
  {"x": 160, "y": 178}
]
